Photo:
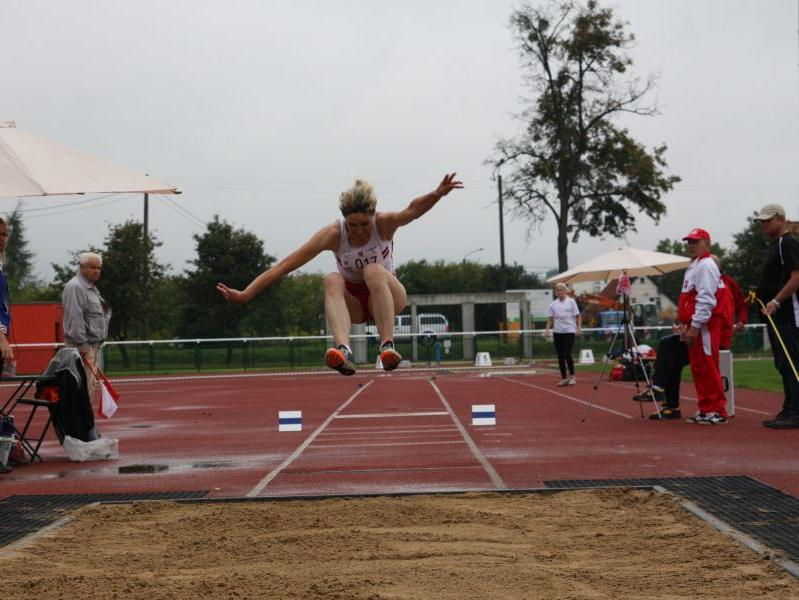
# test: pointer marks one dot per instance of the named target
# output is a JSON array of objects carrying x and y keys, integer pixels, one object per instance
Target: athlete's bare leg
[
  {"x": 341, "y": 308},
  {"x": 387, "y": 297}
]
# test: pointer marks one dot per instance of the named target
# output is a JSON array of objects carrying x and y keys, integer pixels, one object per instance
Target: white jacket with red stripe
[{"x": 702, "y": 289}]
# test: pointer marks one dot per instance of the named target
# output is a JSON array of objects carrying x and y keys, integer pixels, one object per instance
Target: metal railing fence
[{"x": 307, "y": 352}]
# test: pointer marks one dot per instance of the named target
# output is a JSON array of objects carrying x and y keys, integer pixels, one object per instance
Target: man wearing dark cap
[
  {"x": 701, "y": 314},
  {"x": 779, "y": 282}
]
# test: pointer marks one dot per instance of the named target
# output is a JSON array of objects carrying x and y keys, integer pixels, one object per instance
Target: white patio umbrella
[
  {"x": 34, "y": 166},
  {"x": 610, "y": 265}
]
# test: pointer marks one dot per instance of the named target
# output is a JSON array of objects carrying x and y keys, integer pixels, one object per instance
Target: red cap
[{"x": 697, "y": 234}]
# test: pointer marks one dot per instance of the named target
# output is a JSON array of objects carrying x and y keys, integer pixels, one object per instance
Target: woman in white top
[
  {"x": 364, "y": 288},
  {"x": 564, "y": 321}
]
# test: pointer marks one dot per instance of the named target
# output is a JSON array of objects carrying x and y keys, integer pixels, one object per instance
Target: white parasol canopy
[
  {"x": 34, "y": 166},
  {"x": 610, "y": 265}
]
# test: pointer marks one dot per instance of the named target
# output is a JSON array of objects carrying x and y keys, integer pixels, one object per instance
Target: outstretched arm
[
  {"x": 389, "y": 222},
  {"x": 324, "y": 239}
]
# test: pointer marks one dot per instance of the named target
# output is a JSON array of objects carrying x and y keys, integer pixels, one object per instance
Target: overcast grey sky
[{"x": 263, "y": 111}]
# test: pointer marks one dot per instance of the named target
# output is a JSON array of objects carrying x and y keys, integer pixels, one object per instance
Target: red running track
[{"x": 403, "y": 432}]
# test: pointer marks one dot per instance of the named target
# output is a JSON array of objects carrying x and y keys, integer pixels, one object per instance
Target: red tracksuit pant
[{"x": 705, "y": 369}]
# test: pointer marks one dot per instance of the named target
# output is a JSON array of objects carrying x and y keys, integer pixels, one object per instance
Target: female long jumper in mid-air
[{"x": 365, "y": 287}]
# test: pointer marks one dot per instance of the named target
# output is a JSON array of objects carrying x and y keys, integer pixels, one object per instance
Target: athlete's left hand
[
  {"x": 231, "y": 295},
  {"x": 447, "y": 185}
]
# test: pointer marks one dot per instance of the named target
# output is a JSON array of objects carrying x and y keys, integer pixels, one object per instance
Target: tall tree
[
  {"x": 745, "y": 261},
  {"x": 130, "y": 277},
  {"x": 571, "y": 161},
  {"x": 297, "y": 307},
  {"x": 18, "y": 267},
  {"x": 224, "y": 254},
  {"x": 130, "y": 274}
]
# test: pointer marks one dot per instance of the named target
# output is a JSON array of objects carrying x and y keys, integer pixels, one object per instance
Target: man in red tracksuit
[{"x": 701, "y": 314}]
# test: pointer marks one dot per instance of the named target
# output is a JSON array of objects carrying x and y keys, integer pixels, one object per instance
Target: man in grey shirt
[{"x": 86, "y": 314}]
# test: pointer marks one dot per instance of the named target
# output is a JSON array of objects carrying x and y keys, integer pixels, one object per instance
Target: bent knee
[
  {"x": 334, "y": 281},
  {"x": 374, "y": 274}
]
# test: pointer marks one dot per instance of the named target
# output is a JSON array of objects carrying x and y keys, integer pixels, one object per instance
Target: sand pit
[{"x": 575, "y": 544}]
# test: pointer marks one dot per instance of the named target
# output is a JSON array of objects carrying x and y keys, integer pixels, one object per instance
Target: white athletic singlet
[{"x": 351, "y": 261}]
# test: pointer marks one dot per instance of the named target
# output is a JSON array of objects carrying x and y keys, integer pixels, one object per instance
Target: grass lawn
[{"x": 750, "y": 373}]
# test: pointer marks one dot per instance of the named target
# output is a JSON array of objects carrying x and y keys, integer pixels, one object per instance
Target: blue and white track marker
[
  {"x": 484, "y": 414},
  {"x": 289, "y": 420}
]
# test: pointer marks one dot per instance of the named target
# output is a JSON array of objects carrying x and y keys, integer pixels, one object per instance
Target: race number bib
[{"x": 355, "y": 261}]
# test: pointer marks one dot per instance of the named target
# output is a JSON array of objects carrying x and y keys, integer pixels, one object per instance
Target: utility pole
[
  {"x": 146, "y": 213},
  {"x": 501, "y": 226},
  {"x": 503, "y": 284},
  {"x": 146, "y": 240}
]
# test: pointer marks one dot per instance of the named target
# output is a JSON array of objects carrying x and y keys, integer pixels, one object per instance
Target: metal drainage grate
[
  {"x": 23, "y": 515},
  {"x": 759, "y": 510}
]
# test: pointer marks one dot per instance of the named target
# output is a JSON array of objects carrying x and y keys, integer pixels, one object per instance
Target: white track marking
[
  {"x": 382, "y": 444},
  {"x": 390, "y": 428},
  {"x": 572, "y": 398},
  {"x": 383, "y": 437},
  {"x": 383, "y": 415},
  {"x": 259, "y": 487},
  {"x": 487, "y": 466},
  {"x": 360, "y": 431}
]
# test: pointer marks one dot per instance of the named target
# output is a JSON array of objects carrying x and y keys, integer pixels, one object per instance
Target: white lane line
[
  {"x": 593, "y": 405},
  {"x": 361, "y": 431},
  {"x": 259, "y": 487},
  {"x": 416, "y": 443},
  {"x": 386, "y": 436},
  {"x": 487, "y": 466},
  {"x": 383, "y": 415},
  {"x": 692, "y": 399},
  {"x": 390, "y": 428}
]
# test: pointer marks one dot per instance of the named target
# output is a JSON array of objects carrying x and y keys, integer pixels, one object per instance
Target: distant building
[{"x": 650, "y": 305}]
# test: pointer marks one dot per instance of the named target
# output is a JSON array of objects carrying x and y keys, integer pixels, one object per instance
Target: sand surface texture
[{"x": 575, "y": 544}]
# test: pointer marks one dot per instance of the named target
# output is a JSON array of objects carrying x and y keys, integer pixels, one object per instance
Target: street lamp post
[{"x": 468, "y": 254}]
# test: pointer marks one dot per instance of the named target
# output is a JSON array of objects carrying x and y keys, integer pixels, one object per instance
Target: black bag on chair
[{"x": 72, "y": 411}]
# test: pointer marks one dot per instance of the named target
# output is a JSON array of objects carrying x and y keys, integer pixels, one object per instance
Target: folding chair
[
  {"x": 25, "y": 383},
  {"x": 68, "y": 406},
  {"x": 41, "y": 400}
]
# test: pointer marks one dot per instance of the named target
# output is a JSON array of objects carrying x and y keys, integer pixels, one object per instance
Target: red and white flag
[{"x": 108, "y": 397}]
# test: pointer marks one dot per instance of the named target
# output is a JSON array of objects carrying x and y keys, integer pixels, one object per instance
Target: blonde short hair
[
  {"x": 360, "y": 198},
  {"x": 561, "y": 286}
]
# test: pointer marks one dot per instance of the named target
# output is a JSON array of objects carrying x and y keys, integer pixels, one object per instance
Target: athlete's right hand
[{"x": 231, "y": 295}]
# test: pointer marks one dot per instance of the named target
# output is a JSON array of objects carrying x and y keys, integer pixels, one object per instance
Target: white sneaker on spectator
[
  {"x": 563, "y": 382},
  {"x": 572, "y": 380}
]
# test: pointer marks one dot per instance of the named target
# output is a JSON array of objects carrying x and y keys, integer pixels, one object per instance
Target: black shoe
[
  {"x": 646, "y": 396},
  {"x": 667, "y": 412},
  {"x": 782, "y": 422},
  {"x": 5, "y": 469}
]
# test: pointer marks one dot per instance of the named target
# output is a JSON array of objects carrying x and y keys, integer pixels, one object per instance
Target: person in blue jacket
[{"x": 6, "y": 351}]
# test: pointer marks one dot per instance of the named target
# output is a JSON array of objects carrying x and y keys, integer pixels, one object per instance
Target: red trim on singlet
[{"x": 361, "y": 292}]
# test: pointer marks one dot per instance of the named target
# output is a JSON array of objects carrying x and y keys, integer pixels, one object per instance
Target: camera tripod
[{"x": 629, "y": 346}]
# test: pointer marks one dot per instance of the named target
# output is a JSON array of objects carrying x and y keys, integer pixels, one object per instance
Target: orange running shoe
[
  {"x": 340, "y": 359},
  {"x": 389, "y": 357}
]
